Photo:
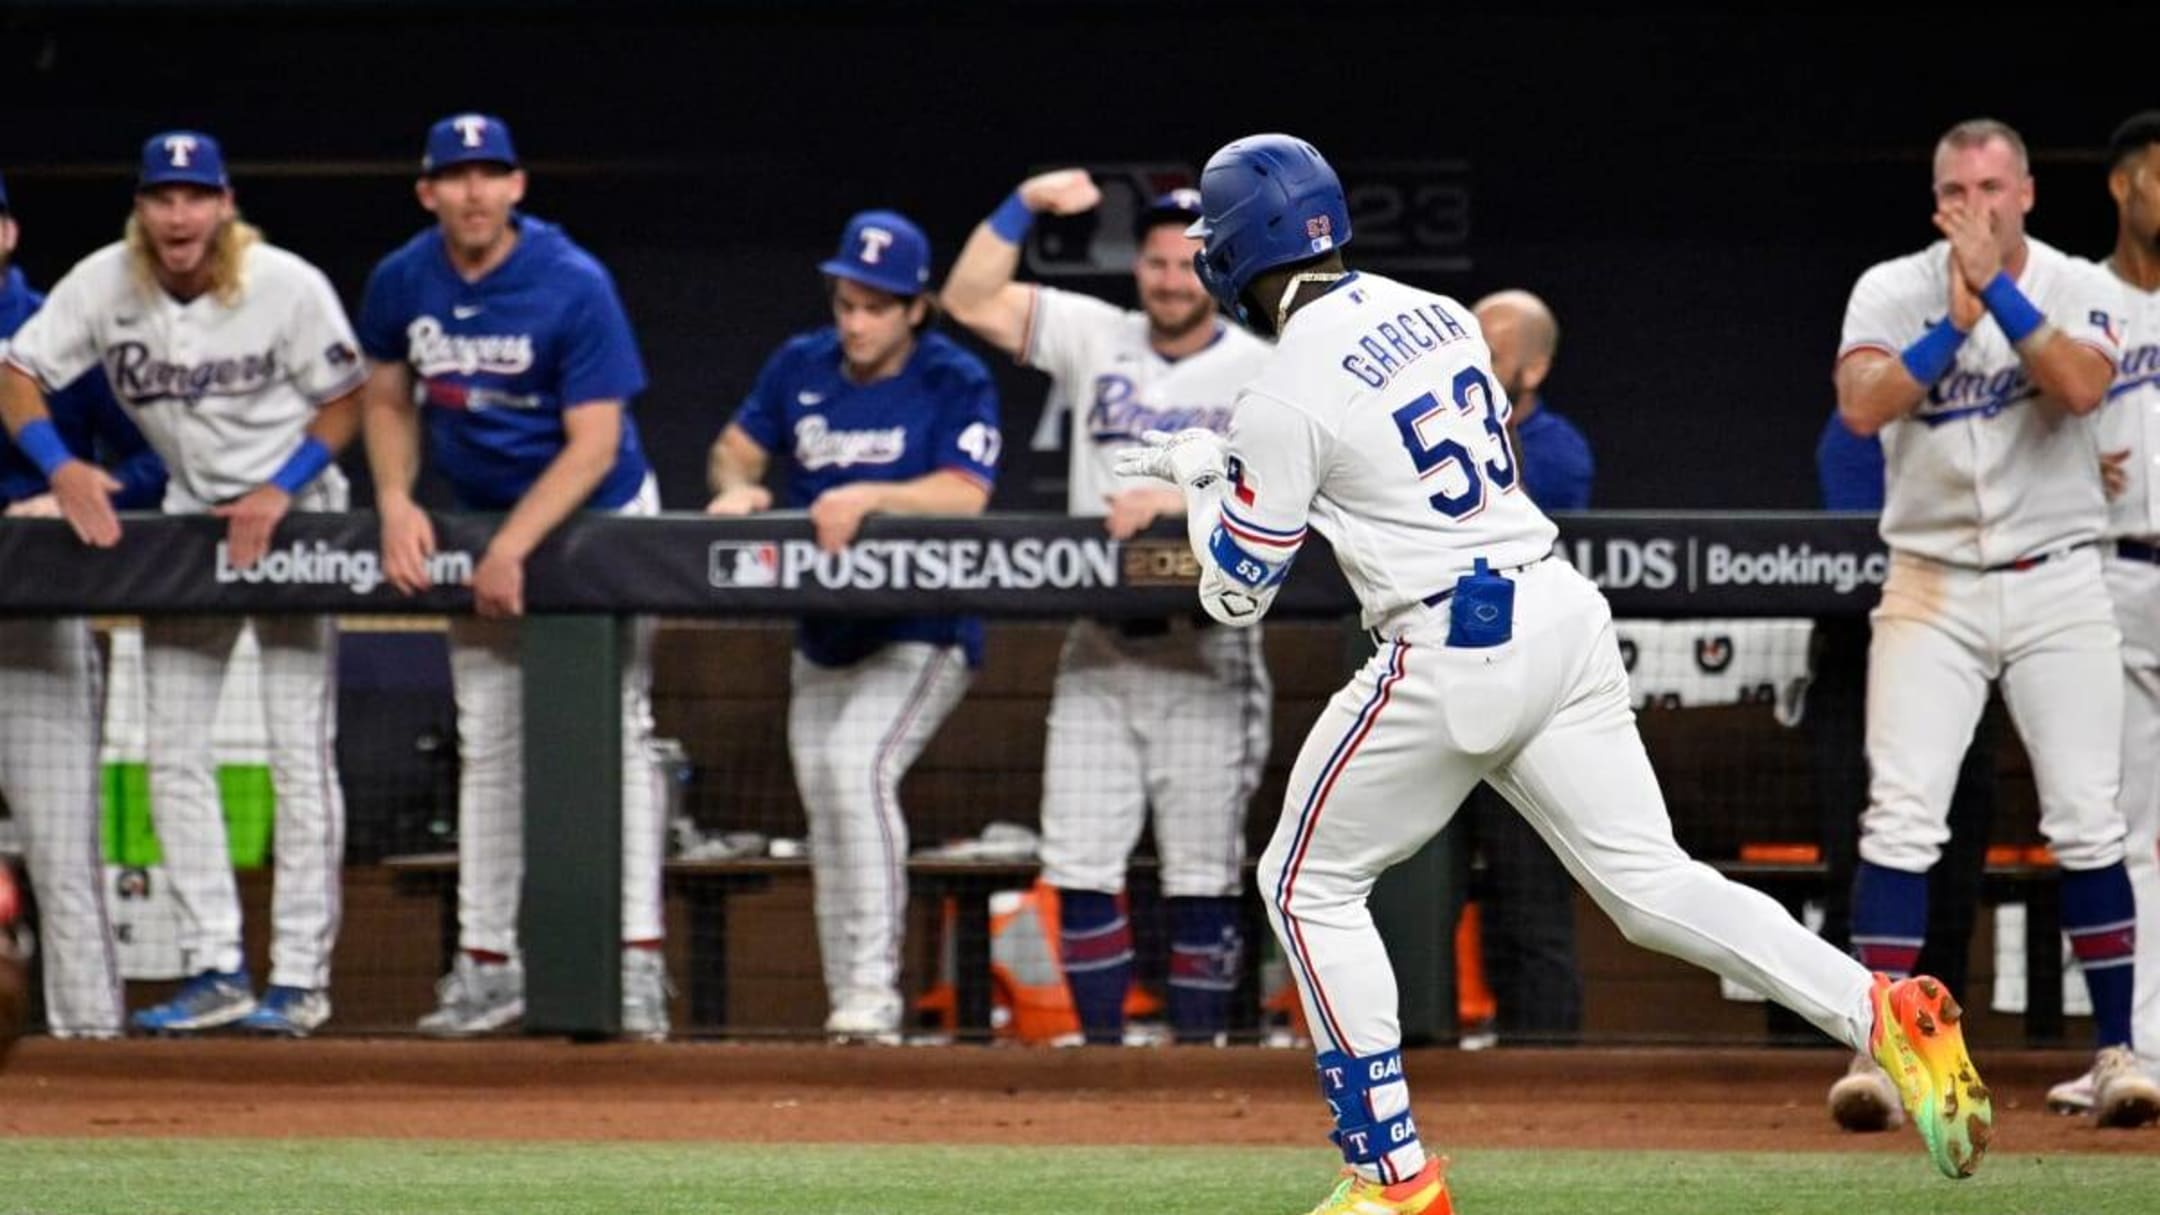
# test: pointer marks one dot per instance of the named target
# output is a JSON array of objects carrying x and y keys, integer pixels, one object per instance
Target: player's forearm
[
  {"x": 21, "y": 400},
  {"x": 390, "y": 427},
  {"x": 569, "y": 480},
  {"x": 2068, "y": 372},
  {"x": 1874, "y": 394},
  {"x": 940, "y": 493},
  {"x": 736, "y": 462},
  {"x": 336, "y": 423},
  {"x": 985, "y": 267}
]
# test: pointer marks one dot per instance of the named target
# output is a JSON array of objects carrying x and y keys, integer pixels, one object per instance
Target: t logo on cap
[
  {"x": 885, "y": 250},
  {"x": 180, "y": 148},
  {"x": 188, "y": 157},
  {"x": 471, "y": 127}
]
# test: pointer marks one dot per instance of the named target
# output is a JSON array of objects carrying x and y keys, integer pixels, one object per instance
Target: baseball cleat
[
  {"x": 1918, "y": 1041},
  {"x": 2122, "y": 1094},
  {"x": 1865, "y": 1099},
  {"x": 210, "y": 1000},
  {"x": 291, "y": 1012},
  {"x": 1424, "y": 1194},
  {"x": 2072, "y": 1097},
  {"x": 645, "y": 992},
  {"x": 476, "y": 998}
]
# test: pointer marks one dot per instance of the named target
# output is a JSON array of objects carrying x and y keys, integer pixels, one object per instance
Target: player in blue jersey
[
  {"x": 871, "y": 414},
  {"x": 526, "y": 365},
  {"x": 49, "y": 706}
]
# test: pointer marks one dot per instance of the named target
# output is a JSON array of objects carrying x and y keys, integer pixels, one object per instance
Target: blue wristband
[
  {"x": 1932, "y": 353},
  {"x": 2010, "y": 308},
  {"x": 43, "y": 445},
  {"x": 1011, "y": 220},
  {"x": 304, "y": 465}
]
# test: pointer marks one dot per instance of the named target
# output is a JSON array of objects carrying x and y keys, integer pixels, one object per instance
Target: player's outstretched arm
[
  {"x": 980, "y": 292},
  {"x": 1242, "y": 564},
  {"x": 736, "y": 471},
  {"x": 82, "y": 490},
  {"x": 593, "y": 435},
  {"x": 390, "y": 424}
]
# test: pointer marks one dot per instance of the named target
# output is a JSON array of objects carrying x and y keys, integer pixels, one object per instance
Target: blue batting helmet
[{"x": 1265, "y": 201}]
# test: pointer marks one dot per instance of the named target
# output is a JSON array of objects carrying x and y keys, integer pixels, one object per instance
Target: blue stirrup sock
[
  {"x": 1889, "y": 918},
  {"x": 1370, "y": 1101},
  {"x": 2099, "y": 916},
  {"x": 1206, "y": 949},
  {"x": 1095, "y": 945}
]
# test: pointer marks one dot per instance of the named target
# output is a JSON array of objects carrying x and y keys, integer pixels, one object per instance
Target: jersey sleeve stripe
[
  {"x": 970, "y": 474},
  {"x": 1025, "y": 355},
  {"x": 1249, "y": 530},
  {"x": 32, "y": 372},
  {"x": 2107, "y": 351},
  {"x": 349, "y": 384},
  {"x": 1852, "y": 348}
]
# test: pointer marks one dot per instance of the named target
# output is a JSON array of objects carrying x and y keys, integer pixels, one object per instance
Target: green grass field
[{"x": 375, "y": 1177}]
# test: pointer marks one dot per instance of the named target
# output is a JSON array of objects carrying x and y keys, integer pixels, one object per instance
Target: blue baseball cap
[
  {"x": 1180, "y": 206},
  {"x": 182, "y": 156},
  {"x": 464, "y": 138},
  {"x": 885, "y": 250}
]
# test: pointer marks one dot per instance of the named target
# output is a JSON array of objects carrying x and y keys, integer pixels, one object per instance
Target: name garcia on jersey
[
  {"x": 1391, "y": 346},
  {"x": 433, "y": 352}
]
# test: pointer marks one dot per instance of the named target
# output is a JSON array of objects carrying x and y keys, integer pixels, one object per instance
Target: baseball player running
[
  {"x": 526, "y": 366},
  {"x": 50, "y": 704},
  {"x": 871, "y": 414},
  {"x": 236, "y": 360},
  {"x": 1170, "y": 712},
  {"x": 1977, "y": 359},
  {"x": 2130, "y": 442},
  {"x": 1377, "y": 422}
]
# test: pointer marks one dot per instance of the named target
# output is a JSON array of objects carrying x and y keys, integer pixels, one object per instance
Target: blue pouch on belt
[{"x": 1481, "y": 612}]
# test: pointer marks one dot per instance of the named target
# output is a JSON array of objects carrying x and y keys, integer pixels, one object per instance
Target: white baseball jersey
[
  {"x": 2131, "y": 420},
  {"x": 1119, "y": 388},
  {"x": 1979, "y": 475},
  {"x": 1378, "y": 422},
  {"x": 224, "y": 393}
]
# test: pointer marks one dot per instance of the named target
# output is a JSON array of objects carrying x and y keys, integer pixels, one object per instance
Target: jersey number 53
[{"x": 1462, "y": 494}]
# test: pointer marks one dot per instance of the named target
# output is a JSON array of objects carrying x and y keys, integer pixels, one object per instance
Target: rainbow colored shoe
[
  {"x": 1424, "y": 1194},
  {"x": 1918, "y": 1041}
]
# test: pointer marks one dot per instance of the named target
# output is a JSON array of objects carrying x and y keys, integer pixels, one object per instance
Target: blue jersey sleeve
[
  {"x": 1849, "y": 468},
  {"x": 383, "y": 310},
  {"x": 966, "y": 439},
  {"x": 599, "y": 355},
  {"x": 762, "y": 413}
]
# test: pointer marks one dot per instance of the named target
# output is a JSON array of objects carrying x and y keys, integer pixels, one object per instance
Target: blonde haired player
[
  {"x": 1377, "y": 423},
  {"x": 235, "y": 359}
]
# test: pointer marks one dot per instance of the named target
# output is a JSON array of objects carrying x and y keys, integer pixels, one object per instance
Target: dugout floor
[{"x": 1727, "y": 1100}]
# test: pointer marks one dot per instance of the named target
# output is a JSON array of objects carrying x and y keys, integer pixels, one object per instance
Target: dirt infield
[{"x": 514, "y": 1089}]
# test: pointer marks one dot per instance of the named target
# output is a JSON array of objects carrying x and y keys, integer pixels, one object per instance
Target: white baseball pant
[
  {"x": 853, "y": 731},
  {"x": 1397, "y": 749},
  {"x": 184, "y": 661},
  {"x": 1942, "y": 634},
  {"x": 1178, "y": 721},
  {"x": 2135, "y": 587},
  {"x": 51, "y": 714},
  {"x": 489, "y": 688}
]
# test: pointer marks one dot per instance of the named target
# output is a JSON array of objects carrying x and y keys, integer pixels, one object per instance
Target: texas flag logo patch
[
  {"x": 2106, "y": 324},
  {"x": 1242, "y": 485}
]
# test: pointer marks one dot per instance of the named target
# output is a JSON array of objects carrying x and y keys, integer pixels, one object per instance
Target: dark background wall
[{"x": 1693, "y": 193}]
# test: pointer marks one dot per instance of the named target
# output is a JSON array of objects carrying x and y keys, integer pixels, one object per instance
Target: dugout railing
[{"x": 1734, "y": 793}]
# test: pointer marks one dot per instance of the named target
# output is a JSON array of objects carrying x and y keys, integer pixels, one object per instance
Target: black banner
[{"x": 1663, "y": 564}]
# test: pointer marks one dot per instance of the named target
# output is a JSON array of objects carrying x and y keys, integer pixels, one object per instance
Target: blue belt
[
  {"x": 1439, "y": 597},
  {"x": 2138, "y": 550},
  {"x": 2025, "y": 563}
]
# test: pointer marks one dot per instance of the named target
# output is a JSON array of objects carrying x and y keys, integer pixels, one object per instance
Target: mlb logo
[{"x": 743, "y": 566}]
